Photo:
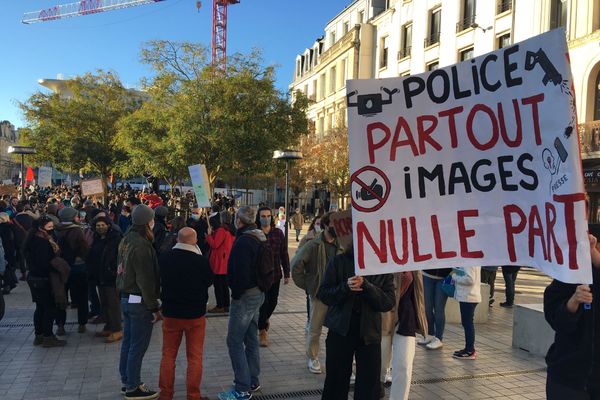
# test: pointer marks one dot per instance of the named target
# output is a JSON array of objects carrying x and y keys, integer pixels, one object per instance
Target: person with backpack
[
  {"x": 75, "y": 248},
  {"x": 249, "y": 275},
  {"x": 220, "y": 240},
  {"x": 308, "y": 269},
  {"x": 281, "y": 259}
]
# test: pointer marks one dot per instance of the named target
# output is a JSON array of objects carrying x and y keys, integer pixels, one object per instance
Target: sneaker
[
  {"x": 263, "y": 338},
  {"x": 52, "y": 341},
  {"x": 216, "y": 310},
  {"x": 114, "y": 337},
  {"x": 98, "y": 320},
  {"x": 123, "y": 390},
  {"x": 388, "y": 378},
  {"x": 103, "y": 334},
  {"x": 255, "y": 387},
  {"x": 314, "y": 366},
  {"x": 435, "y": 344},
  {"x": 141, "y": 393},
  {"x": 234, "y": 395},
  {"x": 465, "y": 355},
  {"x": 506, "y": 304},
  {"x": 425, "y": 340}
]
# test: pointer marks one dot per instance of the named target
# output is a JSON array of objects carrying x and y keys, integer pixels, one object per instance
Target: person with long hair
[
  {"x": 313, "y": 231},
  {"x": 220, "y": 240},
  {"x": 354, "y": 322},
  {"x": 39, "y": 249},
  {"x": 138, "y": 281}
]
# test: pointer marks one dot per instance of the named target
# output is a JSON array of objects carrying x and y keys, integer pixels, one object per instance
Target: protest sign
[
  {"x": 92, "y": 187},
  {"x": 474, "y": 164},
  {"x": 342, "y": 223},
  {"x": 200, "y": 184},
  {"x": 8, "y": 190},
  {"x": 45, "y": 176}
]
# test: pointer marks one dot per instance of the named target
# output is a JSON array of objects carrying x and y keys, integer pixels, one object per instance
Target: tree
[
  {"x": 326, "y": 161},
  {"x": 229, "y": 122},
  {"x": 78, "y": 133}
]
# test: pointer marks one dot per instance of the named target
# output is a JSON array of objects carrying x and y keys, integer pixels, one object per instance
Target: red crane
[{"x": 87, "y": 7}]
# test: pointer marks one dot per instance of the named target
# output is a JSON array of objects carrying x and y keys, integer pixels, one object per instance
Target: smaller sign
[
  {"x": 8, "y": 190},
  {"x": 342, "y": 223},
  {"x": 200, "y": 184},
  {"x": 91, "y": 187},
  {"x": 45, "y": 176}
]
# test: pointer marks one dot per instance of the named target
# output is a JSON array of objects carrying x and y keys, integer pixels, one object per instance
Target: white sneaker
[
  {"x": 426, "y": 340},
  {"x": 388, "y": 376},
  {"x": 435, "y": 344},
  {"x": 314, "y": 366}
]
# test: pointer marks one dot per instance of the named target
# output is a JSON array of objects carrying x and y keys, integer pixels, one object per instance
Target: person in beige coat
[{"x": 399, "y": 328}]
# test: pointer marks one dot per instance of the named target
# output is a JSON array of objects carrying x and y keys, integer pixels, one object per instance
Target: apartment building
[{"x": 9, "y": 169}]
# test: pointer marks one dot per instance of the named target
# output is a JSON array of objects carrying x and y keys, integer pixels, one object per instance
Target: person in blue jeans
[
  {"x": 242, "y": 332},
  {"x": 138, "y": 280},
  {"x": 435, "y": 307},
  {"x": 467, "y": 292},
  {"x": 510, "y": 272}
]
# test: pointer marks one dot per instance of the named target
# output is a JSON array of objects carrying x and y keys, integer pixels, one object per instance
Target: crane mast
[{"x": 219, "y": 44}]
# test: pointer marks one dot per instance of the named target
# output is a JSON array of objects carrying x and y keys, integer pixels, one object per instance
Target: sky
[{"x": 112, "y": 40}]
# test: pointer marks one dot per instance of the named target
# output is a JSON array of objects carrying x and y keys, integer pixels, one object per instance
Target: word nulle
[{"x": 397, "y": 241}]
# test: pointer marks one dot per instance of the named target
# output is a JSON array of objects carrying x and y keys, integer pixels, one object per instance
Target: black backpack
[{"x": 265, "y": 264}]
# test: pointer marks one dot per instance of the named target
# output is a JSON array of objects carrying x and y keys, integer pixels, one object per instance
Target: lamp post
[
  {"x": 287, "y": 156},
  {"x": 22, "y": 150}
]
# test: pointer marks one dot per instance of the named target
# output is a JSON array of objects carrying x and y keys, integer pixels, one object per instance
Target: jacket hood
[
  {"x": 63, "y": 226},
  {"x": 258, "y": 233}
]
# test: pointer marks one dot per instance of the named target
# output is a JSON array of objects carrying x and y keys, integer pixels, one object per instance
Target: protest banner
[
  {"x": 473, "y": 164},
  {"x": 8, "y": 189},
  {"x": 200, "y": 184},
  {"x": 45, "y": 176},
  {"x": 342, "y": 223},
  {"x": 91, "y": 187}
]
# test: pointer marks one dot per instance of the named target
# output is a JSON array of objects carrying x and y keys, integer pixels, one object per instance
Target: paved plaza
[{"x": 87, "y": 367}]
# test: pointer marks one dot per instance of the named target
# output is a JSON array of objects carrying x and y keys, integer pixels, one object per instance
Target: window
[
  {"x": 405, "y": 73},
  {"x": 332, "y": 80},
  {"x": 361, "y": 17},
  {"x": 597, "y": 99},
  {"x": 504, "y": 40},
  {"x": 332, "y": 38},
  {"x": 322, "y": 87},
  {"x": 298, "y": 68},
  {"x": 466, "y": 54},
  {"x": 406, "y": 41},
  {"x": 306, "y": 89},
  {"x": 435, "y": 19},
  {"x": 558, "y": 13},
  {"x": 346, "y": 27},
  {"x": 321, "y": 127},
  {"x": 504, "y": 5},
  {"x": 468, "y": 15},
  {"x": 383, "y": 53},
  {"x": 313, "y": 95},
  {"x": 432, "y": 66}
]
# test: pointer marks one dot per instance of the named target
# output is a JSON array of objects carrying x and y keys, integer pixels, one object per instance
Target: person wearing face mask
[
  {"x": 125, "y": 218},
  {"x": 308, "y": 269},
  {"x": 313, "y": 230},
  {"x": 138, "y": 281},
  {"x": 281, "y": 260},
  {"x": 103, "y": 270}
]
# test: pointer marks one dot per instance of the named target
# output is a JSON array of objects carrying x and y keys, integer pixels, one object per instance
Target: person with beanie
[
  {"x": 74, "y": 249},
  {"x": 139, "y": 284}
]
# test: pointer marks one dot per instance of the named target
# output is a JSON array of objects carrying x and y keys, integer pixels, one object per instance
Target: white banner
[
  {"x": 45, "y": 176},
  {"x": 473, "y": 164},
  {"x": 201, "y": 184}
]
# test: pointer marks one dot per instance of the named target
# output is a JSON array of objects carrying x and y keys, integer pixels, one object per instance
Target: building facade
[{"x": 9, "y": 136}]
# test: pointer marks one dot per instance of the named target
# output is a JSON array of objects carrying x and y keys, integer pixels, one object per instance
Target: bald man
[{"x": 185, "y": 277}]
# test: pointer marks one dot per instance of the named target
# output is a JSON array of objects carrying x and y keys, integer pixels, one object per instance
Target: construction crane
[{"x": 87, "y": 7}]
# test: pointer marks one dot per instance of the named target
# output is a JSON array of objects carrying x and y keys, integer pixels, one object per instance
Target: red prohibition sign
[{"x": 382, "y": 200}]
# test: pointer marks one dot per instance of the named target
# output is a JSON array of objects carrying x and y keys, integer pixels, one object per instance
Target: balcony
[
  {"x": 432, "y": 39},
  {"x": 343, "y": 44},
  {"x": 465, "y": 23},
  {"x": 503, "y": 6},
  {"x": 589, "y": 136},
  {"x": 405, "y": 52}
]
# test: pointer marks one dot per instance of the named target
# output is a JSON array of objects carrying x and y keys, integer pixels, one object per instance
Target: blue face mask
[
  {"x": 264, "y": 221},
  {"x": 195, "y": 217}
]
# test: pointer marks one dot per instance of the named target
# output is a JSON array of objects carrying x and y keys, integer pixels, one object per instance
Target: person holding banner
[
  {"x": 354, "y": 322},
  {"x": 574, "y": 358},
  {"x": 467, "y": 282},
  {"x": 308, "y": 268}
]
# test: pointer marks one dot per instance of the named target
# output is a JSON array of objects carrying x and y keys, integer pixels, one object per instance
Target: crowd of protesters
[{"x": 139, "y": 259}]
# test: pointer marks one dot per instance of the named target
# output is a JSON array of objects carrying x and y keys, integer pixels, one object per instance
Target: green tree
[{"x": 78, "y": 132}]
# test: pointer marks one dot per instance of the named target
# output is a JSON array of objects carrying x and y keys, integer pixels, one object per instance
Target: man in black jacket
[
  {"x": 185, "y": 277},
  {"x": 242, "y": 332},
  {"x": 574, "y": 358}
]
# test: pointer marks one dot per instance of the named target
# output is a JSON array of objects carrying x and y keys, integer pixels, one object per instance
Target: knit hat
[
  {"x": 67, "y": 214},
  {"x": 142, "y": 214},
  {"x": 52, "y": 209},
  {"x": 161, "y": 211}
]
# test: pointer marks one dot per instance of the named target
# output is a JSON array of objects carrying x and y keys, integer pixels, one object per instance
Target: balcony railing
[
  {"x": 504, "y": 5},
  {"x": 465, "y": 23},
  {"x": 589, "y": 136},
  {"x": 405, "y": 52},
  {"x": 432, "y": 39}
]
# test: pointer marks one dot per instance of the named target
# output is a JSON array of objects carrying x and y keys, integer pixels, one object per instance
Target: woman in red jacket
[{"x": 220, "y": 239}]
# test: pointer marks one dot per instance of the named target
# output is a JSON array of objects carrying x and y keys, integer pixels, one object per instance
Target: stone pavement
[{"x": 87, "y": 368}]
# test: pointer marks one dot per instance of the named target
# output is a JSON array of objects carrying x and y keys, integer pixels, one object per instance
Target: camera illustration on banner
[
  {"x": 370, "y": 104},
  {"x": 365, "y": 194}
]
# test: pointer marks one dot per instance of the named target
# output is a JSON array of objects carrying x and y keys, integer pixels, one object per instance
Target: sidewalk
[{"x": 87, "y": 368}]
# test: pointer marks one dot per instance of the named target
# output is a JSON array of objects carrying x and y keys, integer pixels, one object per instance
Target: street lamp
[
  {"x": 22, "y": 150},
  {"x": 287, "y": 156}
]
